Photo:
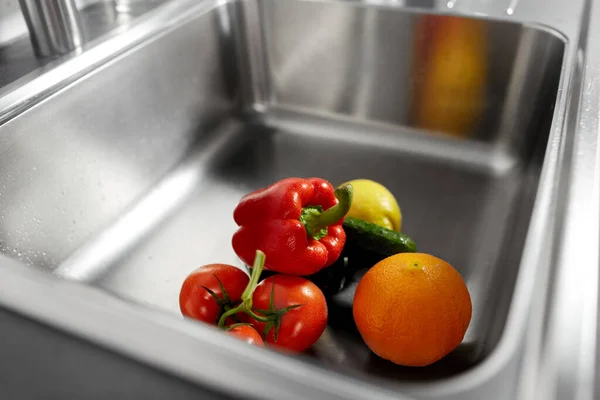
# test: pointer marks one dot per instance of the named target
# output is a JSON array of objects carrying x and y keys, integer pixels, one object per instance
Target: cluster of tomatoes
[{"x": 284, "y": 311}]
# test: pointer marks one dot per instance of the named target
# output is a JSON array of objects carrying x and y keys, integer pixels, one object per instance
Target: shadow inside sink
[{"x": 128, "y": 178}]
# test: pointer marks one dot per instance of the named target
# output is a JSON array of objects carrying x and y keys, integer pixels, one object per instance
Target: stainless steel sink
[
  {"x": 120, "y": 169},
  {"x": 98, "y": 18}
]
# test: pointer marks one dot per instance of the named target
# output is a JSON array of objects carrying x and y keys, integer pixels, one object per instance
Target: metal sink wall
[{"x": 125, "y": 178}]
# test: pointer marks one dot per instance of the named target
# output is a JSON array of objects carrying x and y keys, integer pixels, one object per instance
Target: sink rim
[{"x": 97, "y": 58}]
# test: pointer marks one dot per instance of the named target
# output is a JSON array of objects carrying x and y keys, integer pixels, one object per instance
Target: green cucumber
[{"x": 377, "y": 239}]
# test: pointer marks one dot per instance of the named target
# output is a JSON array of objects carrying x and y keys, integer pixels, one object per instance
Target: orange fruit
[{"x": 412, "y": 309}]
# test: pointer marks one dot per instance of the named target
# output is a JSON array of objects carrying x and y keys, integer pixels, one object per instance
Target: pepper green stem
[
  {"x": 246, "y": 304},
  {"x": 315, "y": 222}
]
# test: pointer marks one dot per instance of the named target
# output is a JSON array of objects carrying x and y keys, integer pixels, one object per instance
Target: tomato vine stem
[{"x": 246, "y": 304}]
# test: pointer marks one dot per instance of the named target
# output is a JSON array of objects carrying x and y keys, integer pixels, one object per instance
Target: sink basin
[{"x": 126, "y": 178}]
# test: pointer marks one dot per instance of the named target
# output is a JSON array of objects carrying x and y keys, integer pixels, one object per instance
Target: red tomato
[
  {"x": 300, "y": 327},
  {"x": 196, "y": 302},
  {"x": 248, "y": 334}
]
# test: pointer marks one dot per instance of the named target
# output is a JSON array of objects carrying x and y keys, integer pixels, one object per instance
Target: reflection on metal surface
[
  {"x": 82, "y": 27},
  {"x": 54, "y": 26},
  {"x": 362, "y": 65},
  {"x": 450, "y": 74},
  {"x": 96, "y": 167},
  {"x": 512, "y": 6},
  {"x": 133, "y": 181},
  {"x": 96, "y": 258}
]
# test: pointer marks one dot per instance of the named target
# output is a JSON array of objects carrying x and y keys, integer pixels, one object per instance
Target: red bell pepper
[{"x": 296, "y": 222}]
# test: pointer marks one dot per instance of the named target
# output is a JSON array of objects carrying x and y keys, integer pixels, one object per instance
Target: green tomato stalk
[
  {"x": 271, "y": 317},
  {"x": 246, "y": 304}
]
